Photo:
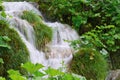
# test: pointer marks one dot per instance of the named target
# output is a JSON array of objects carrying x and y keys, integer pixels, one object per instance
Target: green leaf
[
  {"x": 1, "y": 60},
  {"x": 3, "y": 42},
  {"x": 5, "y": 46},
  {"x": 3, "y": 14},
  {"x": 15, "y": 75},
  {"x": 13, "y": 72},
  {"x": 117, "y": 36},
  {"x": 1, "y": 78},
  {"x": 39, "y": 74},
  {"x": 97, "y": 15},
  {"x": 32, "y": 68},
  {"x": 68, "y": 77},
  {"x": 53, "y": 72},
  {"x": 6, "y": 38}
]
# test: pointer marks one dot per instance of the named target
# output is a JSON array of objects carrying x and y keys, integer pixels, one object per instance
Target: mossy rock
[
  {"x": 43, "y": 33},
  {"x": 89, "y": 63},
  {"x": 17, "y": 54}
]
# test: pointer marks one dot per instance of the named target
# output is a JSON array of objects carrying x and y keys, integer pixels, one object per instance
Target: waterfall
[{"x": 59, "y": 49}]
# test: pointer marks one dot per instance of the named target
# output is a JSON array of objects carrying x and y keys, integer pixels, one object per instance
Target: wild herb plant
[{"x": 34, "y": 73}]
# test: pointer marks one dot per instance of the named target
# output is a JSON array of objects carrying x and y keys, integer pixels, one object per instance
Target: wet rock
[
  {"x": 34, "y": 4},
  {"x": 114, "y": 75}
]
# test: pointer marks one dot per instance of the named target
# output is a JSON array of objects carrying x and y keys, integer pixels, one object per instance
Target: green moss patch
[
  {"x": 89, "y": 63},
  {"x": 17, "y": 54},
  {"x": 43, "y": 33}
]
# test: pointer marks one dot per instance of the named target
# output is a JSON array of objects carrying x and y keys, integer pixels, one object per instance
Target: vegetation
[
  {"x": 16, "y": 51},
  {"x": 43, "y": 32},
  {"x": 83, "y": 15},
  {"x": 3, "y": 45},
  {"x": 35, "y": 74},
  {"x": 89, "y": 63},
  {"x": 97, "y": 22},
  {"x": 102, "y": 38},
  {"x": 22, "y": 0}
]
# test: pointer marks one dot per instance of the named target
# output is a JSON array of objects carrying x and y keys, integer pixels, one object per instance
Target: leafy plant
[
  {"x": 80, "y": 13},
  {"x": 15, "y": 75},
  {"x": 102, "y": 37},
  {"x": 34, "y": 73}
]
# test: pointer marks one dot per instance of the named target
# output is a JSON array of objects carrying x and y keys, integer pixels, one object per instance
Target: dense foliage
[
  {"x": 96, "y": 20},
  {"x": 83, "y": 14}
]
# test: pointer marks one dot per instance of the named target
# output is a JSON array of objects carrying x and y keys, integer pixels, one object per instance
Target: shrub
[
  {"x": 89, "y": 63},
  {"x": 102, "y": 38}
]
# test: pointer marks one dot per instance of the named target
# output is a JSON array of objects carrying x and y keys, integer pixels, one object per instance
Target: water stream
[{"x": 59, "y": 50}]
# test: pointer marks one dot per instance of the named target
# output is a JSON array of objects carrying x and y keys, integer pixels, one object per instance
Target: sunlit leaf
[
  {"x": 32, "y": 68},
  {"x": 53, "y": 72},
  {"x": 3, "y": 14},
  {"x": 1, "y": 78}
]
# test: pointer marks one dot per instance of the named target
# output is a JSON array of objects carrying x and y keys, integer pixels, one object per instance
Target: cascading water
[{"x": 59, "y": 50}]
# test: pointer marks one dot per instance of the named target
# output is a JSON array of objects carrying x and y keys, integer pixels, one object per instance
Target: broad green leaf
[
  {"x": 15, "y": 75},
  {"x": 39, "y": 74},
  {"x": 32, "y": 68},
  {"x": 13, "y": 72},
  {"x": 53, "y": 72}
]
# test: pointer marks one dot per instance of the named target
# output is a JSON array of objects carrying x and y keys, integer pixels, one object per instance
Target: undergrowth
[{"x": 17, "y": 53}]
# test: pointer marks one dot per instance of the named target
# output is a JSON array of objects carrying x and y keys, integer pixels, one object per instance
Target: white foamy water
[{"x": 59, "y": 49}]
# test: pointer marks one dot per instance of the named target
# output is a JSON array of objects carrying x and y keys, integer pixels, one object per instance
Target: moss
[
  {"x": 43, "y": 33},
  {"x": 17, "y": 54},
  {"x": 89, "y": 63}
]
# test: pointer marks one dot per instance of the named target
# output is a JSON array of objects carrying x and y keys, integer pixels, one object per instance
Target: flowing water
[{"x": 59, "y": 49}]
